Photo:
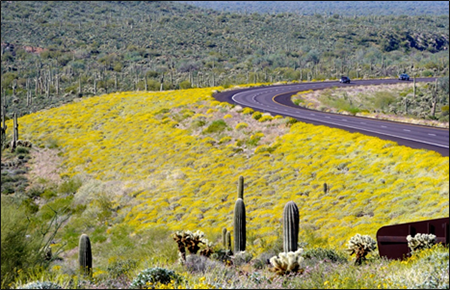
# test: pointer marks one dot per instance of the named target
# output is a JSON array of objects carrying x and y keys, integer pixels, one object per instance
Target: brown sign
[{"x": 392, "y": 242}]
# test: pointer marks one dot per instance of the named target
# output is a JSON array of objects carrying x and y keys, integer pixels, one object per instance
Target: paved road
[{"x": 276, "y": 100}]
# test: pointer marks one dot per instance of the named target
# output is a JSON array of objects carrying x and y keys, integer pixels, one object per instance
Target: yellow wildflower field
[{"x": 182, "y": 178}]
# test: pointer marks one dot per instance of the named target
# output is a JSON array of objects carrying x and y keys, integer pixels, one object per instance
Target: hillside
[
  {"x": 347, "y": 8},
  {"x": 149, "y": 164},
  {"x": 55, "y": 52}
]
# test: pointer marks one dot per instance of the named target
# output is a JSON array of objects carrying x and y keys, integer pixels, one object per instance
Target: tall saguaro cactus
[
  {"x": 241, "y": 187},
  {"x": 4, "y": 127},
  {"x": 85, "y": 255},
  {"x": 239, "y": 226},
  {"x": 228, "y": 242},
  {"x": 291, "y": 221},
  {"x": 16, "y": 128},
  {"x": 224, "y": 237},
  {"x": 15, "y": 133}
]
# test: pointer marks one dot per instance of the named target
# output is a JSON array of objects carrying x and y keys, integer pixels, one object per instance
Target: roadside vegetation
[{"x": 421, "y": 103}]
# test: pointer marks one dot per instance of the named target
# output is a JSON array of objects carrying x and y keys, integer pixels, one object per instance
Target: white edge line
[{"x": 353, "y": 127}]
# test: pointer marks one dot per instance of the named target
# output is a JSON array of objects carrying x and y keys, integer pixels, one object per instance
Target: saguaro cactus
[
  {"x": 16, "y": 128},
  {"x": 85, "y": 255},
  {"x": 228, "y": 242},
  {"x": 15, "y": 133},
  {"x": 224, "y": 237},
  {"x": 241, "y": 187},
  {"x": 291, "y": 221},
  {"x": 4, "y": 127},
  {"x": 239, "y": 226}
]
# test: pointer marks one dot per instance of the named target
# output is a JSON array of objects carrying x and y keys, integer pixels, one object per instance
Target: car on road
[
  {"x": 344, "y": 80},
  {"x": 403, "y": 77}
]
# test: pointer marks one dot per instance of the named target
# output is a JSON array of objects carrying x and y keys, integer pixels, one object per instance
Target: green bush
[
  {"x": 382, "y": 100},
  {"x": 323, "y": 253},
  {"x": 185, "y": 85},
  {"x": 198, "y": 123},
  {"x": 22, "y": 150},
  {"x": 257, "y": 115},
  {"x": 290, "y": 121},
  {"x": 49, "y": 193},
  {"x": 216, "y": 126},
  {"x": 155, "y": 275},
  {"x": 121, "y": 267},
  {"x": 70, "y": 186},
  {"x": 19, "y": 248}
]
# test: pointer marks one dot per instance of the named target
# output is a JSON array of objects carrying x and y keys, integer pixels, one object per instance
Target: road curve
[{"x": 277, "y": 101}]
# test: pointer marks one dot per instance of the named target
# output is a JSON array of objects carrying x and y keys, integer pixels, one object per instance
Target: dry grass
[{"x": 45, "y": 166}]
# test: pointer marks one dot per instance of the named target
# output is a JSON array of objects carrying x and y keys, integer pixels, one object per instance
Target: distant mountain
[{"x": 348, "y": 8}]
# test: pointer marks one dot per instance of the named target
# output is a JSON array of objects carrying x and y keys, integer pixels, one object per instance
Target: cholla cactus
[
  {"x": 208, "y": 250},
  {"x": 420, "y": 241},
  {"x": 361, "y": 246},
  {"x": 287, "y": 263},
  {"x": 190, "y": 241}
]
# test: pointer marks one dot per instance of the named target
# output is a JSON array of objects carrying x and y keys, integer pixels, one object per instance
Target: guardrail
[{"x": 392, "y": 242}]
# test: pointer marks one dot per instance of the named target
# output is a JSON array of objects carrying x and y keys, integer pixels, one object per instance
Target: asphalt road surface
[{"x": 277, "y": 101}]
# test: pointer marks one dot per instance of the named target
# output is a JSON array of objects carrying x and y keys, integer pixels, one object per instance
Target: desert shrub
[
  {"x": 290, "y": 121},
  {"x": 323, "y": 253},
  {"x": 198, "y": 123},
  {"x": 241, "y": 258},
  {"x": 19, "y": 248},
  {"x": 241, "y": 126},
  {"x": 265, "y": 118},
  {"x": 353, "y": 110},
  {"x": 263, "y": 259},
  {"x": 162, "y": 111},
  {"x": 185, "y": 85},
  {"x": 225, "y": 139},
  {"x": 427, "y": 269},
  {"x": 51, "y": 143},
  {"x": 70, "y": 186},
  {"x": 216, "y": 126},
  {"x": 257, "y": 115},
  {"x": 150, "y": 276},
  {"x": 247, "y": 111},
  {"x": 116, "y": 268},
  {"x": 201, "y": 264},
  {"x": 254, "y": 139},
  {"x": 383, "y": 100},
  {"x": 30, "y": 206},
  {"x": 41, "y": 285},
  {"x": 49, "y": 193},
  {"x": 22, "y": 150}
]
